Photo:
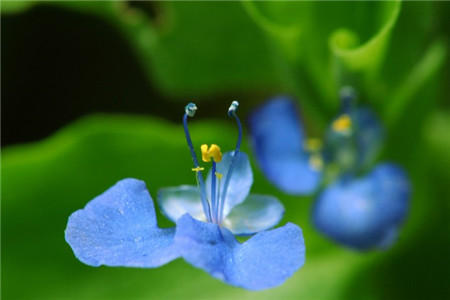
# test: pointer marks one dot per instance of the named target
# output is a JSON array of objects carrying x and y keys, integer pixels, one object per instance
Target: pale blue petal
[
  {"x": 240, "y": 182},
  {"x": 118, "y": 228},
  {"x": 256, "y": 213},
  {"x": 177, "y": 201},
  {"x": 364, "y": 212},
  {"x": 264, "y": 261},
  {"x": 278, "y": 141}
]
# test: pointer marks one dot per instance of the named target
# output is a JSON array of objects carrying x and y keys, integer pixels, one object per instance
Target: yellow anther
[
  {"x": 316, "y": 162},
  {"x": 211, "y": 152},
  {"x": 198, "y": 169},
  {"x": 313, "y": 144},
  {"x": 342, "y": 124},
  {"x": 219, "y": 175}
]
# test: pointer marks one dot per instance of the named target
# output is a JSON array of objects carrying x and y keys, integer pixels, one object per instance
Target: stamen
[
  {"x": 213, "y": 192},
  {"x": 342, "y": 124},
  {"x": 219, "y": 179},
  {"x": 198, "y": 169},
  {"x": 190, "y": 111},
  {"x": 212, "y": 152},
  {"x": 218, "y": 191},
  {"x": 232, "y": 113}
]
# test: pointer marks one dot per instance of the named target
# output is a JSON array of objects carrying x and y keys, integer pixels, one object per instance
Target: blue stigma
[
  {"x": 232, "y": 113},
  {"x": 190, "y": 110}
]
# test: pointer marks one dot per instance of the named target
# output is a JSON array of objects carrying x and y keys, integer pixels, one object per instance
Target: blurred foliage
[
  {"x": 391, "y": 52},
  {"x": 331, "y": 39},
  {"x": 437, "y": 135},
  {"x": 187, "y": 57},
  {"x": 179, "y": 45},
  {"x": 353, "y": 43}
]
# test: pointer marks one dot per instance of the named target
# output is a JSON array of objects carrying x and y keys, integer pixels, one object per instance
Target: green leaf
[
  {"x": 365, "y": 58},
  {"x": 285, "y": 22},
  {"x": 333, "y": 43},
  {"x": 437, "y": 136},
  {"x": 13, "y": 7},
  {"x": 422, "y": 72}
]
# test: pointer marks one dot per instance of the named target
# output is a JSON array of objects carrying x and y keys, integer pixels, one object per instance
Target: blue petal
[
  {"x": 394, "y": 191},
  {"x": 118, "y": 228},
  {"x": 364, "y": 213},
  {"x": 177, "y": 201},
  {"x": 240, "y": 182},
  {"x": 264, "y": 261},
  {"x": 277, "y": 137},
  {"x": 256, "y": 213}
]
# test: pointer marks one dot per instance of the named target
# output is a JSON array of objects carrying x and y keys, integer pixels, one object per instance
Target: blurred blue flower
[
  {"x": 119, "y": 228},
  {"x": 357, "y": 206}
]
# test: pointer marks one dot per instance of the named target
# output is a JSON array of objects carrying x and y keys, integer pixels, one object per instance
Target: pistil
[
  {"x": 212, "y": 154},
  {"x": 213, "y": 192}
]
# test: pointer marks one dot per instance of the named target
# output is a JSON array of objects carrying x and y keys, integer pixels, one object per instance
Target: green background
[{"x": 149, "y": 60}]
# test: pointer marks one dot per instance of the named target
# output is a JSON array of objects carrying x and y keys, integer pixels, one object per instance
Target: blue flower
[
  {"x": 119, "y": 227},
  {"x": 359, "y": 206}
]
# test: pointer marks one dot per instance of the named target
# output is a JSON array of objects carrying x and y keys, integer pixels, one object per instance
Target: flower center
[
  {"x": 213, "y": 207},
  {"x": 338, "y": 147},
  {"x": 343, "y": 124},
  {"x": 341, "y": 144}
]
